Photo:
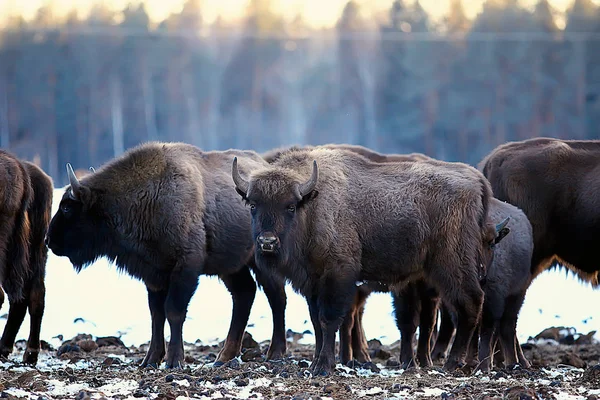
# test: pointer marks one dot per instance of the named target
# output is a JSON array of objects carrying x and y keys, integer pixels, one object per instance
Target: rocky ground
[{"x": 565, "y": 366}]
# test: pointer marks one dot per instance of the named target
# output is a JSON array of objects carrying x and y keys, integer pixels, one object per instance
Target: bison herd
[{"x": 337, "y": 222}]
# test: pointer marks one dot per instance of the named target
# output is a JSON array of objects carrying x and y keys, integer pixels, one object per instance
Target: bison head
[
  {"x": 79, "y": 229},
  {"x": 276, "y": 199},
  {"x": 489, "y": 250}
]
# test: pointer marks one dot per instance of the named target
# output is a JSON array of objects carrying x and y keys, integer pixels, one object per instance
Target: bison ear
[{"x": 312, "y": 195}]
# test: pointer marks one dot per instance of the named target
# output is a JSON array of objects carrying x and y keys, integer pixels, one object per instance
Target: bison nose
[{"x": 267, "y": 242}]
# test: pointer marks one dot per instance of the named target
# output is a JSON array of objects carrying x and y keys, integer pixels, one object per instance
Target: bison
[
  {"x": 25, "y": 208},
  {"x": 505, "y": 286},
  {"x": 556, "y": 184},
  {"x": 507, "y": 279},
  {"x": 168, "y": 213},
  {"x": 351, "y": 220}
]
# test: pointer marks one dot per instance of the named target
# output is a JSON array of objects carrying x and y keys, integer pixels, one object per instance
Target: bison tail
[
  {"x": 18, "y": 269},
  {"x": 40, "y": 212}
]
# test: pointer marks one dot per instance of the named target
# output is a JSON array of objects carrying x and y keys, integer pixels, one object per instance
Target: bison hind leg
[
  {"x": 465, "y": 296},
  {"x": 156, "y": 353},
  {"x": 407, "y": 308},
  {"x": 36, "y": 305},
  {"x": 513, "y": 353},
  {"x": 444, "y": 335},
  {"x": 16, "y": 315}
]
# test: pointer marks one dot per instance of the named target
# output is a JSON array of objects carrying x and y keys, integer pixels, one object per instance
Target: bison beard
[
  {"x": 25, "y": 207},
  {"x": 383, "y": 222},
  {"x": 167, "y": 213}
]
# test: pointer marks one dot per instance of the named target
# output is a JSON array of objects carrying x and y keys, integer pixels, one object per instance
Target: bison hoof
[
  {"x": 453, "y": 365},
  {"x": 175, "y": 361},
  {"x": 411, "y": 364},
  {"x": 217, "y": 364},
  {"x": 152, "y": 360},
  {"x": 30, "y": 356},
  {"x": 275, "y": 354},
  {"x": 174, "y": 365}
]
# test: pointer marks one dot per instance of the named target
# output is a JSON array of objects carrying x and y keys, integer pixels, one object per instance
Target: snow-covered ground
[{"x": 111, "y": 303}]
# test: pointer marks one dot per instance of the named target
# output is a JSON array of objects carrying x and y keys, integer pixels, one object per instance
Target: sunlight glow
[{"x": 317, "y": 13}]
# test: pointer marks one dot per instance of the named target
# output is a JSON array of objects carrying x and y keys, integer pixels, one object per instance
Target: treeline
[{"x": 84, "y": 90}]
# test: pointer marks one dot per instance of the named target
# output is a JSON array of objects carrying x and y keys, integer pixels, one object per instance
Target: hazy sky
[{"x": 315, "y": 12}]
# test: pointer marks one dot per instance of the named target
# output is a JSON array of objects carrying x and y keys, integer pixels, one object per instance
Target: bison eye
[
  {"x": 292, "y": 208},
  {"x": 252, "y": 207},
  {"x": 65, "y": 209}
]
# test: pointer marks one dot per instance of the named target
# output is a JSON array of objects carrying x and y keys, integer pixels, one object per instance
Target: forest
[{"x": 83, "y": 90}]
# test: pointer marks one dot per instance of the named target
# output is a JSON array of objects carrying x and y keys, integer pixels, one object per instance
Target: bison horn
[
  {"x": 240, "y": 183},
  {"x": 73, "y": 180},
  {"x": 92, "y": 170},
  {"x": 309, "y": 185},
  {"x": 501, "y": 230},
  {"x": 502, "y": 225}
]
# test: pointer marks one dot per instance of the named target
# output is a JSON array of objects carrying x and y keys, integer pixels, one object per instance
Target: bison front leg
[
  {"x": 274, "y": 289},
  {"x": 243, "y": 290},
  {"x": 334, "y": 302},
  {"x": 156, "y": 352},
  {"x": 37, "y": 301},
  {"x": 183, "y": 284},
  {"x": 313, "y": 310}
]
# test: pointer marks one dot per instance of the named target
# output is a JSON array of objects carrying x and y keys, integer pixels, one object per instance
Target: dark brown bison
[
  {"x": 507, "y": 279},
  {"x": 505, "y": 286},
  {"x": 326, "y": 228},
  {"x": 168, "y": 213},
  {"x": 556, "y": 183},
  {"x": 353, "y": 342},
  {"x": 25, "y": 207},
  {"x": 272, "y": 155}
]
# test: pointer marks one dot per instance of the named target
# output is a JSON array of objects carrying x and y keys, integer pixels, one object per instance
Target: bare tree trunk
[
  {"x": 149, "y": 108},
  {"x": 4, "y": 126},
  {"x": 581, "y": 89},
  {"x": 187, "y": 84},
  {"x": 117, "y": 116},
  {"x": 52, "y": 137}
]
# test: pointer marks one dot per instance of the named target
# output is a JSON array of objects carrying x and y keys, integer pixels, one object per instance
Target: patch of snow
[
  {"x": 182, "y": 382},
  {"x": 58, "y": 388},
  {"x": 371, "y": 392},
  {"x": 19, "y": 392},
  {"x": 433, "y": 391},
  {"x": 118, "y": 387}
]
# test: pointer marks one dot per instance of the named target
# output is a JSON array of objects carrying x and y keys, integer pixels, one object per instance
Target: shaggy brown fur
[
  {"x": 506, "y": 283},
  {"x": 358, "y": 220},
  {"x": 25, "y": 206},
  {"x": 168, "y": 213},
  {"x": 556, "y": 183}
]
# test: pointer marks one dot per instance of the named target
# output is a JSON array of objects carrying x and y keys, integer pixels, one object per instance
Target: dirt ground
[{"x": 565, "y": 366}]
